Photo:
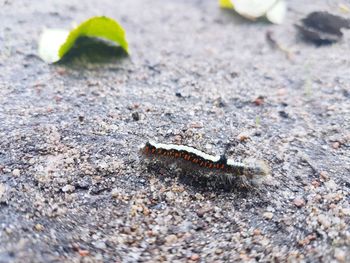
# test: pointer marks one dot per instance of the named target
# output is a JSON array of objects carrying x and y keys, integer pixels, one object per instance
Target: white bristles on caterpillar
[
  {"x": 251, "y": 169},
  {"x": 185, "y": 148}
]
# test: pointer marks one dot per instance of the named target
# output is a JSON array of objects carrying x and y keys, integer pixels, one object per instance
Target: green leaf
[
  {"x": 226, "y": 4},
  {"x": 55, "y": 43},
  {"x": 102, "y": 27}
]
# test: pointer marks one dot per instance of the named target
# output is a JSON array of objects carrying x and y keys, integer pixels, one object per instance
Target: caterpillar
[{"x": 210, "y": 164}]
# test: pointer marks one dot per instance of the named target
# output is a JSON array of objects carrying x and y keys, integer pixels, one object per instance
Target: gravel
[{"x": 72, "y": 186}]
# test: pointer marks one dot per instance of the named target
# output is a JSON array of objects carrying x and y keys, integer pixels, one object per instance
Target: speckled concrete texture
[{"x": 72, "y": 188}]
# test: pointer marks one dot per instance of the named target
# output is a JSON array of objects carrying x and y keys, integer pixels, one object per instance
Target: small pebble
[
  {"x": 219, "y": 103},
  {"x": 324, "y": 175},
  {"x": 100, "y": 245},
  {"x": 339, "y": 254},
  {"x": 345, "y": 211},
  {"x": 170, "y": 196},
  {"x": 299, "y": 202},
  {"x": 336, "y": 145},
  {"x": 324, "y": 220},
  {"x": 61, "y": 71},
  {"x": 332, "y": 206},
  {"x": 202, "y": 211},
  {"x": 264, "y": 242},
  {"x": 171, "y": 239},
  {"x": 242, "y": 137},
  {"x": 218, "y": 251},
  {"x": 16, "y": 172},
  {"x": 135, "y": 116},
  {"x": 83, "y": 253},
  {"x": 178, "y": 94},
  {"x": 115, "y": 192},
  {"x": 199, "y": 196},
  {"x": 257, "y": 232},
  {"x": 268, "y": 215},
  {"x": 194, "y": 257},
  {"x": 196, "y": 125},
  {"x": 39, "y": 227},
  {"x": 315, "y": 183},
  {"x": 2, "y": 190},
  {"x": 331, "y": 185},
  {"x": 208, "y": 146},
  {"x": 98, "y": 258},
  {"x": 260, "y": 100},
  {"x": 283, "y": 114},
  {"x": 68, "y": 188},
  {"x": 8, "y": 230},
  {"x": 146, "y": 211}
]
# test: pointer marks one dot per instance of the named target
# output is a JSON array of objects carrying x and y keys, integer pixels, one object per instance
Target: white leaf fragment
[
  {"x": 253, "y": 9},
  {"x": 277, "y": 13},
  {"x": 274, "y": 10},
  {"x": 50, "y": 42}
]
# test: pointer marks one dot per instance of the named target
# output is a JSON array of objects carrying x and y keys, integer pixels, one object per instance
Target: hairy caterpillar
[{"x": 210, "y": 164}]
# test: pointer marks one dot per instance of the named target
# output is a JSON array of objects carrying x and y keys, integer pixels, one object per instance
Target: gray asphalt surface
[{"x": 72, "y": 187}]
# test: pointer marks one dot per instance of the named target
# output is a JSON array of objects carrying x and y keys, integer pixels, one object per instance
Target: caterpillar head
[{"x": 256, "y": 169}]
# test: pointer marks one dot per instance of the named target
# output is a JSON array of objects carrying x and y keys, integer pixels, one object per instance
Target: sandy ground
[{"x": 72, "y": 188}]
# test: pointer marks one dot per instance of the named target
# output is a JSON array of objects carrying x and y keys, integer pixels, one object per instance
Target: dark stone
[{"x": 322, "y": 28}]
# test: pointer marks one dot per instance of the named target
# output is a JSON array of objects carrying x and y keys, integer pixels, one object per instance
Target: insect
[{"x": 203, "y": 163}]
